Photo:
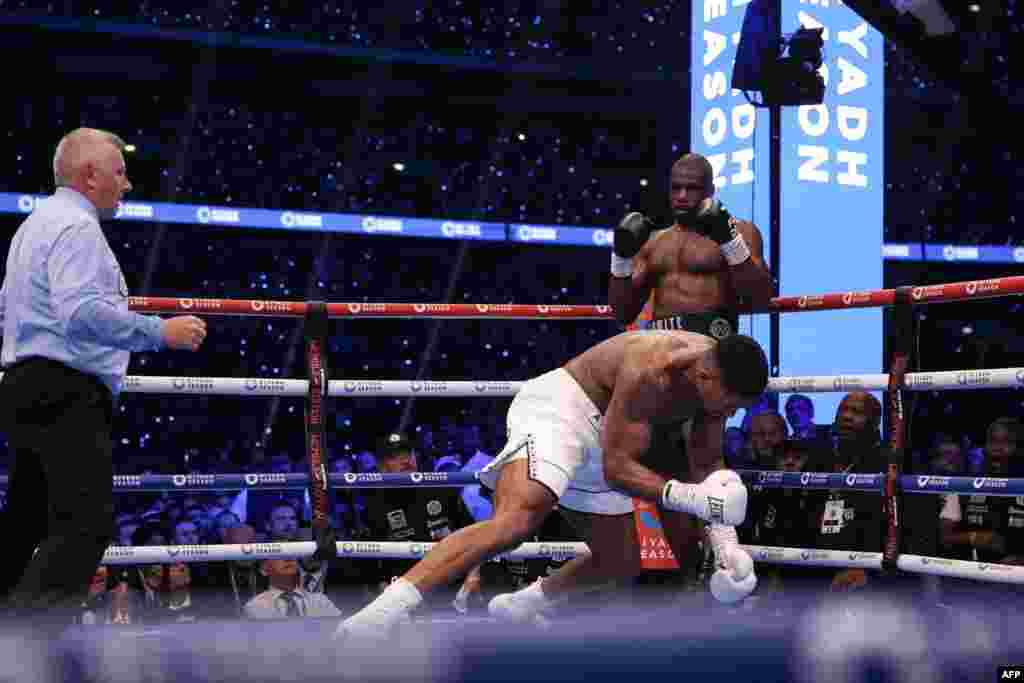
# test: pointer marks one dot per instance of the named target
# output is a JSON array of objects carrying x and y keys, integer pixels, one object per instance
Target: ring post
[
  {"x": 317, "y": 368},
  {"x": 902, "y": 343}
]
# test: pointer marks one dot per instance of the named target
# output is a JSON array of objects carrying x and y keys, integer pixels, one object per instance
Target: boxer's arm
[
  {"x": 705, "y": 446},
  {"x": 627, "y": 295},
  {"x": 751, "y": 279},
  {"x": 627, "y": 436}
]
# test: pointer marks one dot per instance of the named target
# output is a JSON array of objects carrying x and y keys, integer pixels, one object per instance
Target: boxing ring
[{"x": 861, "y": 637}]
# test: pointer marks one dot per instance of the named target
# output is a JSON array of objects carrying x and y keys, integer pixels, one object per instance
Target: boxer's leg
[
  {"x": 614, "y": 554},
  {"x": 521, "y": 505}
]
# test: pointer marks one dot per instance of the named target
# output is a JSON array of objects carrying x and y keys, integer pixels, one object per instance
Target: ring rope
[
  {"x": 948, "y": 380},
  {"x": 926, "y": 294},
  {"x": 404, "y": 550},
  {"x": 769, "y": 479},
  {"x": 397, "y": 550}
]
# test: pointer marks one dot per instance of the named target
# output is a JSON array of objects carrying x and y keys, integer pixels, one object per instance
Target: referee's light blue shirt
[{"x": 64, "y": 297}]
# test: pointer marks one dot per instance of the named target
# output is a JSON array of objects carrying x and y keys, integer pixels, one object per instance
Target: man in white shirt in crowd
[{"x": 286, "y": 598}]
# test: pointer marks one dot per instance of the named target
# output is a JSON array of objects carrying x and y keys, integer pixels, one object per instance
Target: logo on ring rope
[
  {"x": 416, "y": 549},
  {"x": 416, "y": 477},
  {"x": 1020, "y": 377},
  {"x": 805, "y": 477},
  {"x": 852, "y": 298},
  {"x": 720, "y": 328}
]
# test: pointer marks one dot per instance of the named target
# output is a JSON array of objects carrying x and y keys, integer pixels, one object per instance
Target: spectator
[
  {"x": 984, "y": 528},
  {"x": 768, "y": 433},
  {"x": 283, "y": 526},
  {"x": 168, "y": 594},
  {"x": 1001, "y": 441},
  {"x": 946, "y": 456},
  {"x": 108, "y": 600},
  {"x": 778, "y": 517},
  {"x": 413, "y": 514},
  {"x": 844, "y": 519},
  {"x": 225, "y": 521},
  {"x": 735, "y": 446},
  {"x": 286, "y": 598},
  {"x": 980, "y": 527},
  {"x": 186, "y": 533},
  {"x": 366, "y": 462},
  {"x": 800, "y": 415},
  {"x": 479, "y": 507},
  {"x": 125, "y": 530}
]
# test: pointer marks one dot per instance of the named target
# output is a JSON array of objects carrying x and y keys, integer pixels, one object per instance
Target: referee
[{"x": 67, "y": 334}]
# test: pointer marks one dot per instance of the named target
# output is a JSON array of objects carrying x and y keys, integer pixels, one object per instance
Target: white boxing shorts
[{"x": 556, "y": 428}]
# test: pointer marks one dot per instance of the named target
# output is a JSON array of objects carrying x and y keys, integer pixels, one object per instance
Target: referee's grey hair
[{"x": 71, "y": 142}]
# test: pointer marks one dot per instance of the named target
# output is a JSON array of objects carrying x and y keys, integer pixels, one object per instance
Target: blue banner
[
  {"x": 125, "y": 483},
  {"x": 559, "y": 234},
  {"x": 774, "y": 479},
  {"x": 833, "y": 161},
  {"x": 729, "y": 131},
  {"x": 989, "y": 486},
  {"x": 193, "y": 214}
]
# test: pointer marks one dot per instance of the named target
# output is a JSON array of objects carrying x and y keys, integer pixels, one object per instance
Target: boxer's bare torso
[
  {"x": 686, "y": 272},
  {"x": 665, "y": 356}
]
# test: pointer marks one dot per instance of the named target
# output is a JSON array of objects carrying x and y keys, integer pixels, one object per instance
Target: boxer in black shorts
[{"x": 697, "y": 273}]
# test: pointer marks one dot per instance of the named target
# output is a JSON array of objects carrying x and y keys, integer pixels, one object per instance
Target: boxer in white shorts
[{"x": 561, "y": 451}]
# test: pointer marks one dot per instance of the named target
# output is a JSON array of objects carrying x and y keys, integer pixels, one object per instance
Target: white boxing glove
[
  {"x": 734, "y": 578},
  {"x": 719, "y": 499}
]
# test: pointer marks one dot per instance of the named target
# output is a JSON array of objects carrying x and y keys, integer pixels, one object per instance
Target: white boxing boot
[
  {"x": 525, "y": 606},
  {"x": 375, "y": 621}
]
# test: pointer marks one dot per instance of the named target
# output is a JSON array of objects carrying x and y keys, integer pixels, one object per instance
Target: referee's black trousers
[{"x": 59, "y": 500}]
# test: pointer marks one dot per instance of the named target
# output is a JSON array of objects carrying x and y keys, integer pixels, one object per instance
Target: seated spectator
[
  {"x": 1001, "y": 441},
  {"x": 283, "y": 526},
  {"x": 186, "y": 533},
  {"x": 844, "y": 519},
  {"x": 228, "y": 586},
  {"x": 226, "y": 521},
  {"x": 108, "y": 600},
  {"x": 366, "y": 462},
  {"x": 125, "y": 529},
  {"x": 779, "y": 517},
  {"x": 735, "y": 446},
  {"x": 168, "y": 595},
  {"x": 413, "y": 514},
  {"x": 985, "y": 528},
  {"x": 286, "y": 598},
  {"x": 800, "y": 415},
  {"x": 479, "y": 506},
  {"x": 768, "y": 433},
  {"x": 946, "y": 456}
]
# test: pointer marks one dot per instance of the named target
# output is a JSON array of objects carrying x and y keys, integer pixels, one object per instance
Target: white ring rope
[
  {"x": 1003, "y": 378},
  {"x": 404, "y": 550}
]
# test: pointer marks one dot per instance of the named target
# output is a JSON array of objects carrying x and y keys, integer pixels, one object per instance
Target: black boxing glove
[
  {"x": 630, "y": 235},
  {"x": 715, "y": 223}
]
